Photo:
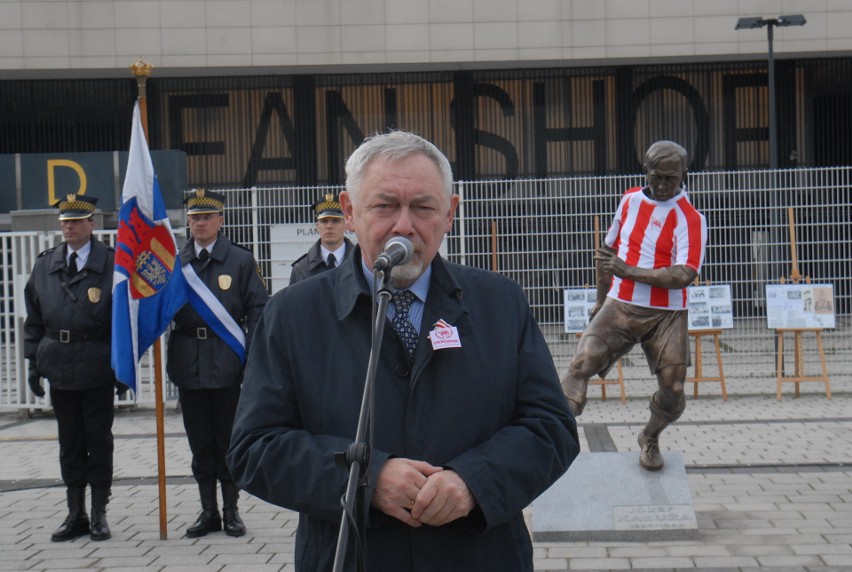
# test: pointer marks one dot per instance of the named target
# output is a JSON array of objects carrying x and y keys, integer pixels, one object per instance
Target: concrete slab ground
[{"x": 770, "y": 481}]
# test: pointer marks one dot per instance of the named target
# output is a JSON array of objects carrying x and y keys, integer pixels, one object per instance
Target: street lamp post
[{"x": 770, "y": 24}]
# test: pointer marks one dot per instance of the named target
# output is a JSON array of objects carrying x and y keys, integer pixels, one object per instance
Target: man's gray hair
[{"x": 393, "y": 146}]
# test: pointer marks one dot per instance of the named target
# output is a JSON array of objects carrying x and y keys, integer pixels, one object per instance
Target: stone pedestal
[{"x": 608, "y": 496}]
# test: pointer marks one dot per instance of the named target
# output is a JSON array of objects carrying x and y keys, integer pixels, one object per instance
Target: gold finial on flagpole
[{"x": 141, "y": 70}]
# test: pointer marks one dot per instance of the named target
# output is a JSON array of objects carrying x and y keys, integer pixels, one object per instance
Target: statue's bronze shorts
[{"x": 664, "y": 334}]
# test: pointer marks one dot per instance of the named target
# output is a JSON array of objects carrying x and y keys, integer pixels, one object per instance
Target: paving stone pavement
[{"x": 771, "y": 483}]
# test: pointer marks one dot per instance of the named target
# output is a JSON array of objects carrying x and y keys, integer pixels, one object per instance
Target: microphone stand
[{"x": 357, "y": 456}]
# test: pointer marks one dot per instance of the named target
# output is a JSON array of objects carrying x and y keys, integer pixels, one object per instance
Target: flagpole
[{"x": 142, "y": 71}]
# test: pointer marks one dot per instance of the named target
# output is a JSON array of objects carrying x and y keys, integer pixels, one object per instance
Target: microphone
[{"x": 398, "y": 251}]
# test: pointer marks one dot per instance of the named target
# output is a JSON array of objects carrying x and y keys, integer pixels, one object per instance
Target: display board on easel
[
  {"x": 799, "y": 308},
  {"x": 578, "y": 304},
  {"x": 790, "y": 306},
  {"x": 710, "y": 311},
  {"x": 710, "y": 307}
]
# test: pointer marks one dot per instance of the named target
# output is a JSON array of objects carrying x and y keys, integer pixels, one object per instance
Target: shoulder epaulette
[
  {"x": 298, "y": 259},
  {"x": 48, "y": 251}
]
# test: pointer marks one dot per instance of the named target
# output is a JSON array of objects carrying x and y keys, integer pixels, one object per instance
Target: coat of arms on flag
[{"x": 146, "y": 252}]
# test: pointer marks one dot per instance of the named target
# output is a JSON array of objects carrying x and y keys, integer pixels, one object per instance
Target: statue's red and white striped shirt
[{"x": 656, "y": 234}]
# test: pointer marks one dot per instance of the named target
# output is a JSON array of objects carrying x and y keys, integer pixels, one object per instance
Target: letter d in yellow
[{"x": 52, "y": 165}]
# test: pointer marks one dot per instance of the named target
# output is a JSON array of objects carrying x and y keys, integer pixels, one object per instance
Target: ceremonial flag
[{"x": 148, "y": 285}]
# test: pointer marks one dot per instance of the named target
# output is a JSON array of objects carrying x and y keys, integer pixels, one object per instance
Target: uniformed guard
[
  {"x": 67, "y": 340},
  {"x": 331, "y": 248},
  {"x": 206, "y": 353}
]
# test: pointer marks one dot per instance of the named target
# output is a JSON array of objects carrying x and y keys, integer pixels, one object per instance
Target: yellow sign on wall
[{"x": 52, "y": 165}]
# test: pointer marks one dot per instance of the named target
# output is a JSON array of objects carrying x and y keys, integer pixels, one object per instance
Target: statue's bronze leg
[
  {"x": 575, "y": 391},
  {"x": 666, "y": 406},
  {"x": 593, "y": 355}
]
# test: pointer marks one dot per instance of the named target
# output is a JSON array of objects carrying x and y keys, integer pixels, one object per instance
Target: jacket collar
[
  {"x": 97, "y": 261},
  {"x": 315, "y": 256},
  {"x": 315, "y": 253},
  {"x": 445, "y": 298},
  {"x": 220, "y": 249}
]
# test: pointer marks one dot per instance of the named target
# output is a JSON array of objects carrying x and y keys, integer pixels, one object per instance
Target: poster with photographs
[
  {"x": 710, "y": 307},
  {"x": 799, "y": 306},
  {"x": 578, "y": 306}
]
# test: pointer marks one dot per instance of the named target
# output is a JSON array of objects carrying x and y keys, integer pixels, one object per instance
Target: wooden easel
[
  {"x": 699, "y": 376},
  {"x": 603, "y": 382},
  {"x": 798, "y": 350}
]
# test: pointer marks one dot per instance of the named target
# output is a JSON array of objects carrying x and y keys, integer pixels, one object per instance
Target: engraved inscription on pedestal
[{"x": 653, "y": 517}]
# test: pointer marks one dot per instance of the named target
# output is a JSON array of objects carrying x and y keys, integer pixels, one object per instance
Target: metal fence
[
  {"x": 19, "y": 251},
  {"x": 541, "y": 233}
]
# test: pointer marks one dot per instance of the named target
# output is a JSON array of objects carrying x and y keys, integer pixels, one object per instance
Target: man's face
[
  {"x": 401, "y": 198},
  {"x": 665, "y": 178},
  {"x": 77, "y": 232},
  {"x": 331, "y": 231},
  {"x": 204, "y": 227}
]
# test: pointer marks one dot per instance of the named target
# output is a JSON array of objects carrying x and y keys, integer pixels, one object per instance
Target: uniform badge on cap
[
  {"x": 202, "y": 202},
  {"x": 327, "y": 207},
  {"x": 75, "y": 207}
]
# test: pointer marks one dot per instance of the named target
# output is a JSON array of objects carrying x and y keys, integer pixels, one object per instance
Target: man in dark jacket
[
  {"x": 206, "y": 354},
  {"x": 469, "y": 423},
  {"x": 331, "y": 249},
  {"x": 67, "y": 340}
]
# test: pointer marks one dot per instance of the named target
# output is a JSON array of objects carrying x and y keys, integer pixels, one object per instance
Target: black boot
[
  {"x": 77, "y": 522},
  {"x": 209, "y": 519},
  {"x": 100, "y": 528},
  {"x": 233, "y": 523}
]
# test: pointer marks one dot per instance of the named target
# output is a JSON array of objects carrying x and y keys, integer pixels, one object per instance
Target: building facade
[{"x": 279, "y": 92}]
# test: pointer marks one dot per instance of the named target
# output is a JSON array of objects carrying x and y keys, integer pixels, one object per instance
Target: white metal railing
[
  {"x": 19, "y": 251},
  {"x": 541, "y": 234}
]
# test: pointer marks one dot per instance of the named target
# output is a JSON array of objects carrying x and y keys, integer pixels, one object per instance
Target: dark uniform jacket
[
  {"x": 311, "y": 263},
  {"x": 69, "y": 319},
  {"x": 492, "y": 410},
  {"x": 232, "y": 275}
]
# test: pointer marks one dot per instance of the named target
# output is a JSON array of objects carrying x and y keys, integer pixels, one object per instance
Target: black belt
[
  {"x": 74, "y": 336},
  {"x": 200, "y": 333}
]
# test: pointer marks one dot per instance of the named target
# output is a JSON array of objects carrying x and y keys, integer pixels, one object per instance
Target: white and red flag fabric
[{"x": 148, "y": 285}]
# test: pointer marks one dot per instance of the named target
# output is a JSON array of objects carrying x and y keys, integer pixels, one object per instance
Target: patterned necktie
[
  {"x": 402, "y": 300},
  {"x": 72, "y": 264},
  {"x": 331, "y": 261}
]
